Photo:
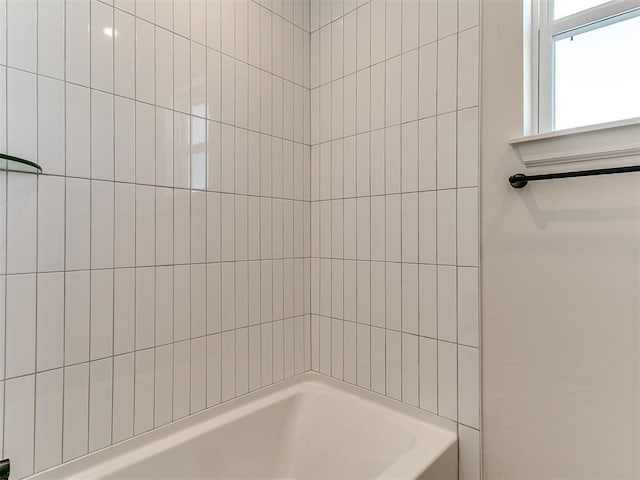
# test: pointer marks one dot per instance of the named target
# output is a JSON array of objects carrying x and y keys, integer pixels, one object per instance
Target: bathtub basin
[{"x": 308, "y": 427}]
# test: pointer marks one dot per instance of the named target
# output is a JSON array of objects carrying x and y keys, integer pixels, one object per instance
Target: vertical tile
[
  {"x": 468, "y": 14},
  {"x": 447, "y": 380},
  {"x": 468, "y": 68},
  {"x": 181, "y": 150},
  {"x": 78, "y": 131},
  {"x": 21, "y": 113},
  {"x": 198, "y": 79},
  {"x": 350, "y": 352},
  {"x": 468, "y": 306},
  {"x": 363, "y": 308},
  {"x": 410, "y": 157},
  {"x": 181, "y": 378},
  {"x": 378, "y": 367},
  {"x": 124, "y": 54},
  {"x": 409, "y": 84},
  {"x": 410, "y": 296},
  {"x": 164, "y": 68},
  {"x": 102, "y": 136},
  {"x": 101, "y": 326},
  {"x": 446, "y": 226},
  {"x": 182, "y": 17},
  {"x": 145, "y": 291},
  {"x": 163, "y": 405},
  {"x": 100, "y": 403},
  {"x": 198, "y": 301},
  {"x": 214, "y": 320},
  {"x": 378, "y": 294},
  {"x": 51, "y": 124},
  {"x": 78, "y": 228},
  {"x": 164, "y": 226},
  {"x": 255, "y": 373},
  {"x": 427, "y": 156},
  {"x": 427, "y": 75},
  {"x": 428, "y": 287},
  {"x": 467, "y": 148},
  {"x": 410, "y": 24},
  {"x": 146, "y": 9},
  {"x": 145, "y": 143},
  {"x": 19, "y": 424},
  {"x": 102, "y": 35},
  {"x": 228, "y": 365},
  {"x": 78, "y": 42},
  {"x": 410, "y": 369},
  {"x": 428, "y": 374},
  {"x": 447, "y": 18},
  {"x": 123, "y": 395},
  {"x": 22, "y": 202},
  {"x": 164, "y": 13},
  {"x": 102, "y": 224},
  {"x": 75, "y": 429},
  {"x": 350, "y": 47},
  {"x": 198, "y": 21},
  {"x": 447, "y": 72},
  {"x": 242, "y": 361},
  {"x": 48, "y": 420},
  {"x": 393, "y": 27},
  {"x": 50, "y": 321},
  {"x": 181, "y": 302},
  {"x": 22, "y": 34},
  {"x": 378, "y": 24},
  {"x": 470, "y": 455},
  {"x": 144, "y": 391},
  {"x": 145, "y": 54},
  {"x": 363, "y": 352},
  {"x": 363, "y": 41},
  {"x": 124, "y": 225},
  {"x": 266, "y": 345},
  {"x": 214, "y": 369},
  {"x": 409, "y": 227},
  {"x": 124, "y": 140},
  {"x": 123, "y": 310},
  {"x": 20, "y": 325},
  {"x": 447, "y": 326},
  {"x": 77, "y": 317},
  {"x": 198, "y": 375},
  {"x": 337, "y": 349},
  {"x": 363, "y": 102},
  {"x": 428, "y": 21},
  {"x": 393, "y": 291},
  {"x": 164, "y": 306},
  {"x": 51, "y": 38},
  {"x": 467, "y": 226},
  {"x": 468, "y": 386}
]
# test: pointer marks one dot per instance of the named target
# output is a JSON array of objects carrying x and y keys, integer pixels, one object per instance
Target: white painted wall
[{"x": 560, "y": 304}]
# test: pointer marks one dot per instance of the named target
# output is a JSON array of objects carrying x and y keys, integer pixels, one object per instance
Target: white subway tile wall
[
  {"x": 394, "y": 204},
  {"x": 161, "y": 263}
]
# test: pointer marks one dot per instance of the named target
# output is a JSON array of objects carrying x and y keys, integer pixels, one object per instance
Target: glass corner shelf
[{"x": 10, "y": 163}]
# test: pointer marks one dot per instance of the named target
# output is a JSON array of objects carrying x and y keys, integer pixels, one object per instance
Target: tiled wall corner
[{"x": 394, "y": 203}]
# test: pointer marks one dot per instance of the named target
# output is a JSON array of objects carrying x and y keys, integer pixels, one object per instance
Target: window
[{"x": 585, "y": 62}]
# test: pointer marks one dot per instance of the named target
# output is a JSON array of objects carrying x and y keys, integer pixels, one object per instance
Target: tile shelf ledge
[
  {"x": 598, "y": 146},
  {"x": 10, "y": 163}
]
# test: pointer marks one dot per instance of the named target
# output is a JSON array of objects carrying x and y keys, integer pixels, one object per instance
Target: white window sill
[{"x": 606, "y": 144}]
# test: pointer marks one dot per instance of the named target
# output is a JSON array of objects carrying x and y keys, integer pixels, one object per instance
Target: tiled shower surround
[
  {"x": 394, "y": 212},
  {"x": 160, "y": 265},
  {"x": 234, "y": 192}
]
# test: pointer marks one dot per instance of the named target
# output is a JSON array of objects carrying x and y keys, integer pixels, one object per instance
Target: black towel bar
[{"x": 520, "y": 180}]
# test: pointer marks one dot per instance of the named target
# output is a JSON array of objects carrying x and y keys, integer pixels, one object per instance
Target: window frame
[{"x": 543, "y": 30}]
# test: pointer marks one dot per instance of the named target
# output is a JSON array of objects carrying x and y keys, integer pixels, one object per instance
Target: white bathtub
[{"x": 308, "y": 427}]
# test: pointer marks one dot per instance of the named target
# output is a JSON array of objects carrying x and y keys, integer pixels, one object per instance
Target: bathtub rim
[{"x": 409, "y": 465}]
